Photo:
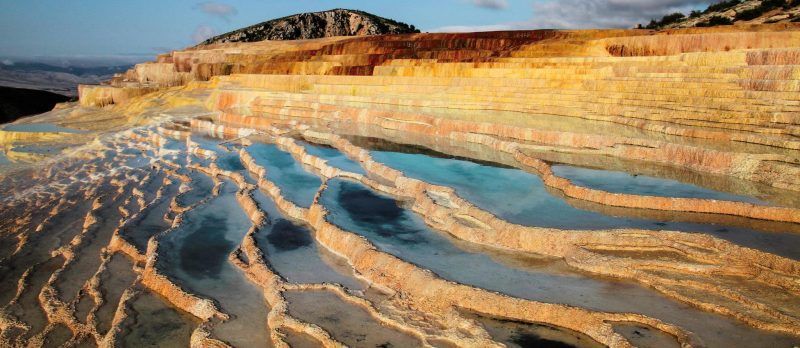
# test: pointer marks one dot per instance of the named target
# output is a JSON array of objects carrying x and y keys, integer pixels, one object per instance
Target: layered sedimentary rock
[
  {"x": 107, "y": 95},
  {"x": 90, "y": 236},
  {"x": 653, "y": 88}
]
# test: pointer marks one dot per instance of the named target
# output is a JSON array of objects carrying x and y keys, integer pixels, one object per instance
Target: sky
[{"x": 137, "y": 30}]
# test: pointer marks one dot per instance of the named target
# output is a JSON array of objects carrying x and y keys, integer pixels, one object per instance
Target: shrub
[
  {"x": 695, "y": 13},
  {"x": 666, "y": 20},
  {"x": 747, "y": 15},
  {"x": 772, "y": 4},
  {"x": 672, "y": 18},
  {"x": 764, "y": 7},
  {"x": 714, "y": 21},
  {"x": 768, "y": 5},
  {"x": 722, "y": 6}
]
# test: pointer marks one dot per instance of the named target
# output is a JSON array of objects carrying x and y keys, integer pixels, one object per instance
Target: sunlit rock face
[
  {"x": 549, "y": 188},
  {"x": 742, "y": 12},
  {"x": 315, "y": 25}
]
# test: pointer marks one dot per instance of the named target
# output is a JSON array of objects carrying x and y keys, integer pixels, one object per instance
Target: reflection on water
[
  {"x": 201, "y": 187},
  {"x": 523, "y": 335},
  {"x": 381, "y": 215},
  {"x": 299, "y": 340},
  {"x": 117, "y": 277},
  {"x": 286, "y": 236},
  {"x": 38, "y": 127},
  {"x": 346, "y": 322},
  {"x": 400, "y": 232},
  {"x": 207, "y": 142},
  {"x": 644, "y": 336},
  {"x": 230, "y": 161},
  {"x": 196, "y": 256},
  {"x": 522, "y": 198},
  {"x": 334, "y": 157},
  {"x": 296, "y": 184},
  {"x": 197, "y": 259},
  {"x": 292, "y": 251},
  {"x": 39, "y": 149},
  {"x": 621, "y": 182},
  {"x": 155, "y": 324},
  {"x": 150, "y": 222}
]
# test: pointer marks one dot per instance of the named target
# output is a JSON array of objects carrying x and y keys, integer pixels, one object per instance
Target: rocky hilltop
[
  {"x": 338, "y": 22},
  {"x": 727, "y": 12}
]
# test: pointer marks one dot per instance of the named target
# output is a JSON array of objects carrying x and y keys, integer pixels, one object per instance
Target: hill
[
  {"x": 314, "y": 25},
  {"x": 730, "y": 12},
  {"x": 52, "y": 78}
]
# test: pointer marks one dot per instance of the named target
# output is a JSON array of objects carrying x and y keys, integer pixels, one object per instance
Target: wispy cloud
[
  {"x": 8, "y": 62},
  {"x": 217, "y": 9},
  {"x": 202, "y": 33},
  {"x": 490, "y": 4},
  {"x": 579, "y": 14},
  {"x": 585, "y": 14}
]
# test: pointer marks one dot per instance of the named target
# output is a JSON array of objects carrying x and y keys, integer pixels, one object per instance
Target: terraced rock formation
[{"x": 600, "y": 188}]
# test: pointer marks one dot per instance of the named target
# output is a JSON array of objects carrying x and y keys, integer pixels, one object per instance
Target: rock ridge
[{"x": 315, "y": 25}]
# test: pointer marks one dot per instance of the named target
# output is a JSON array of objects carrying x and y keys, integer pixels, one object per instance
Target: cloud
[
  {"x": 8, "y": 62},
  {"x": 582, "y": 14},
  {"x": 216, "y": 9},
  {"x": 587, "y": 14},
  {"x": 490, "y": 4},
  {"x": 202, "y": 33}
]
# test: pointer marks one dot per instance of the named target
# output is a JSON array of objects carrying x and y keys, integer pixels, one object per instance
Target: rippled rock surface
[{"x": 491, "y": 189}]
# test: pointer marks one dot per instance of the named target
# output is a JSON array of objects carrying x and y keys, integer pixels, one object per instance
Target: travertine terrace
[{"x": 157, "y": 222}]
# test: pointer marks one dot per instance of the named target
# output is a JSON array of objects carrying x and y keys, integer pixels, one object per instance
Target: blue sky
[{"x": 143, "y": 28}]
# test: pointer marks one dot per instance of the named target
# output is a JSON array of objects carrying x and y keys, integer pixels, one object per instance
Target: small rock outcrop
[{"x": 315, "y": 25}]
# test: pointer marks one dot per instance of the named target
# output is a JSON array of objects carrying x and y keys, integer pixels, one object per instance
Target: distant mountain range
[
  {"x": 74, "y": 70},
  {"x": 314, "y": 25},
  {"x": 53, "y": 78}
]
